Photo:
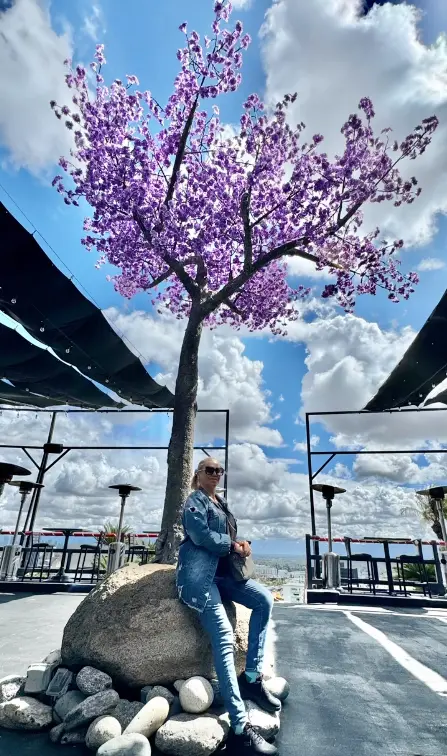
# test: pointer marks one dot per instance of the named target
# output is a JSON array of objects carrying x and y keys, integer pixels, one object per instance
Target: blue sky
[{"x": 144, "y": 41}]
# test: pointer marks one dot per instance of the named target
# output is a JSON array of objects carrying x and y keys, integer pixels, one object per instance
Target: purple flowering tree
[{"x": 207, "y": 217}]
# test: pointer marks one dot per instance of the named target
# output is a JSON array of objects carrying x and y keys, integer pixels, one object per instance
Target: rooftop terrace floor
[{"x": 364, "y": 681}]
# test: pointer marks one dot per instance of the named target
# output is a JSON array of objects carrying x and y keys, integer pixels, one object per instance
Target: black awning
[
  {"x": 29, "y": 367},
  {"x": 39, "y": 296},
  {"x": 12, "y": 395},
  {"x": 422, "y": 367}
]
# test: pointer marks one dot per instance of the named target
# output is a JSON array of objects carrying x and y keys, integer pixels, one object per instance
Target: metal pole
[
  {"x": 227, "y": 441},
  {"x": 329, "y": 524},
  {"x": 40, "y": 478},
  {"x": 116, "y": 561},
  {"x": 22, "y": 502},
  {"x": 316, "y": 545},
  {"x": 441, "y": 517}
]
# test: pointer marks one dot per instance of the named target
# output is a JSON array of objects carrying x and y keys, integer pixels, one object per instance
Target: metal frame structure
[
  {"x": 332, "y": 454},
  {"x": 50, "y": 448}
]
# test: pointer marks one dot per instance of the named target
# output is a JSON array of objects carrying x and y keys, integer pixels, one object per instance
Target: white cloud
[
  {"x": 301, "y": 446},
  {"x": 227, "y": 378},
  {"x": 331, "y": 56},
  {"x": 301, "y": 268},
  {"x": 431, "y": 263},
  {"x": 93, "y": 25},
  {"x": 32, "y": 74},
  {"x": 241, "y": 4}
]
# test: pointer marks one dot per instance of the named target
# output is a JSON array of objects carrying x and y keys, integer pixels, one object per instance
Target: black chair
[
  {"x": 92, "y": 570},
  {"x": 367, "y": 559},
  {"x": 34, "y": 562},
  {"x": 138, "y": 551},
  {"x": 423, "y": 581}
]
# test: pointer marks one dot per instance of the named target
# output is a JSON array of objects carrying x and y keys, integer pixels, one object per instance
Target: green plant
[
  {"x": 426, "y": 509},
  {"x": 412, "y": 574}
]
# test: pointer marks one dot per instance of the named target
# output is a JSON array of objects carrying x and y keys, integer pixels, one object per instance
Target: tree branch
[
  {"x": 181, "y": 151},
  {"x": 248, "y": 245}
]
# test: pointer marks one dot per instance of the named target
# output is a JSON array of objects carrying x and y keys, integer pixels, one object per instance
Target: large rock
[
  {"x": 10, "y": 687},
  {"x": 126, "y": 745},
  {"x": 278, "y": 687},
  {"x": 267, "y": 724},
  {"x": 190, "y": 735},
  {"x": 120, "y": 628},
  {"x": 126, "y": 711},
  {"x": 66, "y": 703},
  {"x": 157, "y": 691},
  {"x": 90, "y": 681},
  {"x": 25, "y": 714},
  {"x": 151, "y": 717}
]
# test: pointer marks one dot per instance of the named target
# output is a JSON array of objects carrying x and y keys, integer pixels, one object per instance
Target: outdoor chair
[
  {"x": 417, "y": 560},
  {"x": 138, "y": 552},
  {"x": 38, "y": 560},
  {"x": 91, "y": 572},
  {"x": 370, "y": 566}
]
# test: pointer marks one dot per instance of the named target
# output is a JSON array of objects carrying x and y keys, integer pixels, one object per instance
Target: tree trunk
[{"x": 181, "y": 445}]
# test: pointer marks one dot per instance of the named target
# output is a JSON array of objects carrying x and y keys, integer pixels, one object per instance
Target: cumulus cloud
[
  {"x": 228, "y": 379},
  {"x": 431, "y": 263},
  {"x": 333, "y": 56},
  {"x": 31, "y": 62}
]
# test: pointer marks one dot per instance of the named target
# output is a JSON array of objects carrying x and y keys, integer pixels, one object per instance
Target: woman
[{"x": 203, "y": 581}]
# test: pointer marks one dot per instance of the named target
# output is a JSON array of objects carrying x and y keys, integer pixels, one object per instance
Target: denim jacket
[{"x": 206, "y": 540}]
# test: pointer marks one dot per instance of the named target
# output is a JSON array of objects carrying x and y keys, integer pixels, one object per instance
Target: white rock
[
  {"x": 54, "y": 657},
  {"x": 267, "y": 724},
  {"x": 25, "y": 714},
  {"x": 38, "y": 677},
  {"x": 10, "y": 687},
  {"x": 189, "y": 735},
  {"x": 159, "y": 690},
  {"x": 196, "y": 695},
  {"x": 125, "y": 711},
  {"x": 90, "y": 681},
  {"x": 132, "y": 744},
  {"x": 178, "y": 684},
  {"x": 101, "y": 731},
  {"x": 278, "y": 687},
  {"x": 66, "y": 703},
  {"x": 151, "y": 717}
]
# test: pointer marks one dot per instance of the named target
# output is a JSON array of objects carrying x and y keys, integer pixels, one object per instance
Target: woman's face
[{"x": 209, "y": 474}]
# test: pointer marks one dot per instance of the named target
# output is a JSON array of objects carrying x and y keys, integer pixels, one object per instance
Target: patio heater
[
  {"x": 331, "y": 561},
  {"x": 438, "y": 494},
  {"x": 13, "y": 552},
  {"x": 7, "y": 472},
  {"x": 116, "y": 548}
]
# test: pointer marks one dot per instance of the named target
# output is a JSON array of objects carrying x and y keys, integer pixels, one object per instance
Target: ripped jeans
[{"x": 215, "y": 621}]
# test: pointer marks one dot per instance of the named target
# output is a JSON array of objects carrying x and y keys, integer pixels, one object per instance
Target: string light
[{"x": 13, "y": 301}]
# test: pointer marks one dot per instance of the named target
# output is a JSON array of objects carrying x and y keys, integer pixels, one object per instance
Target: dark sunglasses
[{"x": 214, "y": 470}]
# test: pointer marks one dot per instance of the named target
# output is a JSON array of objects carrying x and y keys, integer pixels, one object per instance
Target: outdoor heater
[
  {"x": 116, "y": 548},
  {"x": 331, "y": 561},
  {"x": 12, "y": 553},
  {"x": 7, "y": 472}
]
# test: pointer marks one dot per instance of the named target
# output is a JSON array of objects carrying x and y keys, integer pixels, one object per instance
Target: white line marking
[{"x": 431, "y": 679}]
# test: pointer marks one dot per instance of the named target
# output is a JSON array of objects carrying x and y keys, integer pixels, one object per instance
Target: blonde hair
[{"x": 202, "y": 464}]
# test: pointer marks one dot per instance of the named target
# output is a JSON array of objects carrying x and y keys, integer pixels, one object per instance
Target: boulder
[
  {"x": 92, "y": 707},
  {"x": 267, "y": 724},
  {"x": 196, "y": 695},
  {"x": 25, "y": 714},
  {"x": 151, "y": 717},
  {"x": 54, "y": 657},
  {"x": 278, "y": 687},
  {"x": 190, "y": 735},
  {"x": 120, "y": 628},
  {"x": 126, "y": 745},
  {"x": 126, "y": 711},
  {"x": 101, "y": 731},
  {"x": 10, "y": 687},
  {"x": 66, "y": 703},
  {"x": 157, "y": 691},
  {"x": 90, "y": 681}
]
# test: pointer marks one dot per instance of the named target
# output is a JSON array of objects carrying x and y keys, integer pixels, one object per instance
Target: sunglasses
[{"x": 213, "y": 470}]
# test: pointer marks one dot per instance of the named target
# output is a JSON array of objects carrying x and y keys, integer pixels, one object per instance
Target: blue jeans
[{"x": 215, "y": 621}]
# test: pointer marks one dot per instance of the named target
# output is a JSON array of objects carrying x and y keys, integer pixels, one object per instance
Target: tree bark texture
[{"x": 181, "y": 445}]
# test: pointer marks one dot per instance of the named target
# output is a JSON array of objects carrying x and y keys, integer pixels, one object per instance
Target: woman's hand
[{"x": 242, "y": 548}]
